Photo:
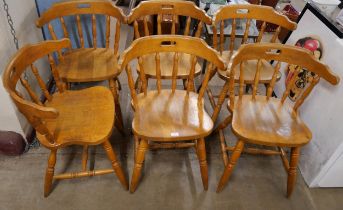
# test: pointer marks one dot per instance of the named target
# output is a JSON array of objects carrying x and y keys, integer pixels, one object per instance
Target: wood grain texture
[
  {"x": 171, "y": 116},
  {"x": 88, "y": 64}
]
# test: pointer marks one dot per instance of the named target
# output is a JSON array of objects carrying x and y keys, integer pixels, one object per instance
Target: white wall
[{"x": 23, "y": 15}]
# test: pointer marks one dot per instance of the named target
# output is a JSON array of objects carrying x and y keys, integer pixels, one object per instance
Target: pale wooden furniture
[
  {"x": 83, "y": 117},
  {"x": 88, "y": 64},
  {"x": 250, "y": 13},
  {"x": 170, "y": 115},
  {"x": 162, "y": 9},
  {"x": 268, "y": 121}
]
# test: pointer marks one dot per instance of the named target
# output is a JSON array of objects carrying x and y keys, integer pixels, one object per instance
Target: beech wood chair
[
  {"x": 265, "y": 120},
  {"x": 249, "y": 12},
  {"x": 83, "y": 117},
  {"x": 162, "y": 9},
  {"x": 96, "y": 63},
  {"x": 170, "y": 115}
]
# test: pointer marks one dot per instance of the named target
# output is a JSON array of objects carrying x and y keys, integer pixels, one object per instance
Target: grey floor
[{"x": 171, "y": 178}]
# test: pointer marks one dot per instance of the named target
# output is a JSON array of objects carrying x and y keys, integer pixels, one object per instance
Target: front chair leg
[
  {"x": 229, "y": 168},
  {"x": 292, "y": 172},
  {"x": 84, "y": 157},
  {"x": 201, "y": 152},
  {"x": 143, "y": 146},
  {"x": 50, "y": 172},
  {"x": 119, "y": 117},
  {"x": 115, "y": 165}
]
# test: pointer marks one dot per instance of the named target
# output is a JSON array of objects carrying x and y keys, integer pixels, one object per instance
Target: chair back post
[
  {"x": 33, "y": 110},
  {"x": 300, "y": 57}
]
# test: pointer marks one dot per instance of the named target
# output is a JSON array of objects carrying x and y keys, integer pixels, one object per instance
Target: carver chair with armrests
[{"x": 81, "y": 117}]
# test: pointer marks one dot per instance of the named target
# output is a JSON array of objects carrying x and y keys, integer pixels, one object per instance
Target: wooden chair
[
  {"x": 162, "y": 9},
  {"x": 170, "y": 115},
  {"x": 83, "y": 117},
  {"x": 268, "y": 121},
  {"x": 96, "y": 63},
  {"x": 249, "y": 13}
]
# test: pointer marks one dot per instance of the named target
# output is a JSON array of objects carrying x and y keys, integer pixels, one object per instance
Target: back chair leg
[
  {"x": 115, "y": 165},
  {"x": 84, "y": 157},
  {"x": 119, "y": 117},
  {"x": 223, "y": 147},
  {"x": 143, "y": 146},
  {"x": 201, "y": 152},
  {"x": 229, "y": 168},
  {"x": 292, "y": 172},
  {"x": 50, "y": 172}
]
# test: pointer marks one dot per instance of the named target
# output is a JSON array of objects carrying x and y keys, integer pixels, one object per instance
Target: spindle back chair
[
  {"x": 250, "y": 13},
  {"x": 95, "y": 63},
  {"x": 168, "y": 114},
  {"x": 269, "y": 121},
  {"x": 66, "y": 117},
  {"x": 176, "y": 9}
]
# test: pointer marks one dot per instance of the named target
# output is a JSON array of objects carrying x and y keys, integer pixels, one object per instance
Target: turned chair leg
[
  {"x": 201, "y": 152},
  {"x": 136, "y": 145},
  {"x": 229, "y": 168},
  {"x": 84, "y": 157},
  {"x": 292, "y": 172},
  {"x": 115, "y": 165},
  {"x": 119, "y": 117},
  {"x": 50, "y": 172},
  {"x": 223, "y": 147},
  {"x": 143, "y": 146}
]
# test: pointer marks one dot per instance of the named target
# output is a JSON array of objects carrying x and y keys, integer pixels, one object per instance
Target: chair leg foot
[
  {"x": 229, "y": 168},
  {"x": 143, "y": 146},
  {"x": 119, "y": 117},
  {"x": 201, "y": 152},
  {"x": 115, "y": 165},
  {"x": 50, "y": 173},
  {"x": 292, "y": 172}
]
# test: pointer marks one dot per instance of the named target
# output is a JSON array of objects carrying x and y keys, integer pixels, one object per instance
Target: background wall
[{"x": 24, "y": 15}]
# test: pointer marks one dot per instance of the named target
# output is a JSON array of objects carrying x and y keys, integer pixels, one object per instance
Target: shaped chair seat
[
  {"x": 268, "y": 122},
  {"x": 88, "y": 64},
  {"x": 84, "y": 117},
  {"x": 266, "y": 74},
  {"x": 170, "y": 116},
  {"x": 167, "y": 60}
]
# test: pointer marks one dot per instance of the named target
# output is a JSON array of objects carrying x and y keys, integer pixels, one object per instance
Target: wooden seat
[
  {"x": 170, "y": 115},
  {"x": 163, "y": 9},
  {"x": 83, "y": 117},
  {"x": 167, "y": 66},
  {"x": 88, "y": 62},
  {"x": 95, "y": 118},
  {"x": 268, "y": 121}
]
